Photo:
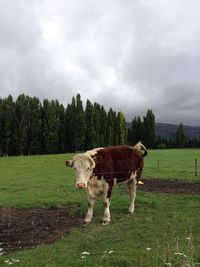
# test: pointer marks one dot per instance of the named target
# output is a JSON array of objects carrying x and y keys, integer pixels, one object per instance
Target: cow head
[{"x": 83, "y": 166}]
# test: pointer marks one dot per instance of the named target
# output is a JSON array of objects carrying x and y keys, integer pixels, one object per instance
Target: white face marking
[{"x": 82, "y": 165}]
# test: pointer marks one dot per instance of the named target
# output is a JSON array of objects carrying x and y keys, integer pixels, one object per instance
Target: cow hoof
[
  {"x": 130, "y": 212},
  {"x": 85, "y": 224},
  {"x": 105, "y": 222}
]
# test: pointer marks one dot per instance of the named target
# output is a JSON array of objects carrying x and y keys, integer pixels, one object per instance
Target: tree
[
  {"x": 137, "y": 130},
  {"x": 1, "y": 126},
  {"x": 97, "y": 125},
  {"x": 180, "y": 136},
  {"x": 102, "y": 126},
  {"x": 62, "y": 129},
  {"x": 54, "y": 126},
  {"x": 90, "y": 129},
  {"x": 75, "y": 125},
  {"x": 35, "y": 127},
  {"x": 50, "y": 127},
  {"x": 22, "y": 124},
  {"x": 80, "y": 124},
  {"x": 121, "y": 128},
  {"x": 6, "y": 125},
  {"x": 111, "y": 130},
  {"x": 149, "y": 129}
]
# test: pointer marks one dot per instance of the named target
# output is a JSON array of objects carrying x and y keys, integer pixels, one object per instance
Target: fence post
[{"x": 195, "y": 167}]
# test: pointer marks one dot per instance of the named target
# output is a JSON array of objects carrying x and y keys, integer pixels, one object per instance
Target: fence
[{"x": 195, "y": 166}]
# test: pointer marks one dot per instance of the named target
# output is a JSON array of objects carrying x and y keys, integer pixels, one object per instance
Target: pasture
[{"x": 164, "y": 230}]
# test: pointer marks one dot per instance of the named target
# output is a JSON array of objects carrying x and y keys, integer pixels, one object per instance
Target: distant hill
[{"x": 166, "y": 130}]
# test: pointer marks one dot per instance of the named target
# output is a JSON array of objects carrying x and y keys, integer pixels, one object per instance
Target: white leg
[
  {"x": 132, "y": 190},
  {"x": 89, "y": 214},
  {"x": 106, "y": 203}
]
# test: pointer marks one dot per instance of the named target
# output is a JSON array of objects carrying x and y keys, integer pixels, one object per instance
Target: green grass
[
  {"x": 173, "y": 163},
  {"x": 167, "y": 224}
]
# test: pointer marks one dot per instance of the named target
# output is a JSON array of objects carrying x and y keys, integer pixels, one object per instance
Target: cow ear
[
  {"x": 92, "y": 163},
  {"x": 69, "y": 163}
]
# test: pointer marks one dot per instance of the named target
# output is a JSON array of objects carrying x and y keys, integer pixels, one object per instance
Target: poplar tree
[
  {"x": 71, "y": 126},
  {"x": 35, "y": 127},
  {"x": 22, "y": 124},
  {"x": 62, "y": 129},
  {"x": 80, "y": 130},
  {"x": 111, "y": 128},
  {"x": 149, "y": 129},
  {"x": 54, "y": 125},
  {"x": 137, "y": 130},
  {"x": 97, "y": 125},
  {"x": 90, "y": 129},
  {"x": 45, "y": 125},
  {"x": 121, "y": 128},
  {"x": 50, "y": 126},
  {"x": 6, "y": 125},
  {"x": 180, "y": 136},
  {"x": 103, "y": 126},
  {"x": 75, "y": 125},
  {"x": 1, "y": 126}
]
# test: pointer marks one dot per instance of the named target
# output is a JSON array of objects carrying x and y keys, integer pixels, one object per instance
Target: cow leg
[
  {"x": 132, "y": 186},
  {"x": 89, "y": 214},
  {"x": 106, "y": 202}
]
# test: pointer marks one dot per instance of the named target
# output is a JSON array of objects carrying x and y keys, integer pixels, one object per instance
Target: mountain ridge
[{"x": 167, "y": 130}]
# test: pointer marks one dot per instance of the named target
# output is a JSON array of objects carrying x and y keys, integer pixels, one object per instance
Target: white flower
[
  {"x": 83, "y": 257},
  {"x": 180, "y": 254},
  {"x": 168, "y": 264},
  {"x": 148, "y": 249},
  {"x": 14, "y": 260},
  {"x": 110, "y": 252},
  {"x": 8, "y": 262},
  {"x": 85, "y": 253}
]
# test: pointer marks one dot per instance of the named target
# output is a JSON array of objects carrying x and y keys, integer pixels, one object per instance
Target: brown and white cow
[{"x": 99, "y": 169}]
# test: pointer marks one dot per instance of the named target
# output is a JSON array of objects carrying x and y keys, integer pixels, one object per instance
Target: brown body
[{"x": 117, "y": 163}]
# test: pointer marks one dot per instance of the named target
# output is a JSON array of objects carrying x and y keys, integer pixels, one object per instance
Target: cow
[{"x": 98, "y": 170}]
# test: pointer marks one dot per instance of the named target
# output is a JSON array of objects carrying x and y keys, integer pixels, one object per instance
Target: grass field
[{"x": 164, "y": 230}]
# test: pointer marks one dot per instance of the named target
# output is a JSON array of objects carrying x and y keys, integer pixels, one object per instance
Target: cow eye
[{"x": 88, "y": 168}]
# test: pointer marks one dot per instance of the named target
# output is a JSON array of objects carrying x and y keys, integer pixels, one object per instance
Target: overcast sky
[{"x": 130, "y": 55}]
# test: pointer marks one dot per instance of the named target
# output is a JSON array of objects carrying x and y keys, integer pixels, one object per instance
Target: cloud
[{"x": 128, "y": 55}]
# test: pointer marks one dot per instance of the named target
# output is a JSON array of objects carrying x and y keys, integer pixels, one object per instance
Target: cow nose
[{"x": 81, "y": 185}]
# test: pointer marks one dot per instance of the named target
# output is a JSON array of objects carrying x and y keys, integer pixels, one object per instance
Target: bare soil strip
[
  {"x": 168, "y": 186},
  {"x": 26, "y": 228}
]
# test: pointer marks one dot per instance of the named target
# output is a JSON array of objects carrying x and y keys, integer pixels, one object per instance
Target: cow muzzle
[{"x": 81, "y": 185}]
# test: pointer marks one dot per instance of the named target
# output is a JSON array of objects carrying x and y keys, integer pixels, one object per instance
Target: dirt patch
[
  {"x": 168, "y": 186},
  {"x": 26, "y": 228}
]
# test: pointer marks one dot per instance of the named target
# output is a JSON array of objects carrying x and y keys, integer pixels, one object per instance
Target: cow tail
[
  {"x": 143, "y": 149},
  {"x": 140, "y": 147}
]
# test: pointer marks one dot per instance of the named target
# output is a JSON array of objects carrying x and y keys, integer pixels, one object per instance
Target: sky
[{"x": 130, "y": 55}]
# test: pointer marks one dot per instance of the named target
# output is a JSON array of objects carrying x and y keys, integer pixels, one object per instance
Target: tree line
[{"x": 29, "y": 126}]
